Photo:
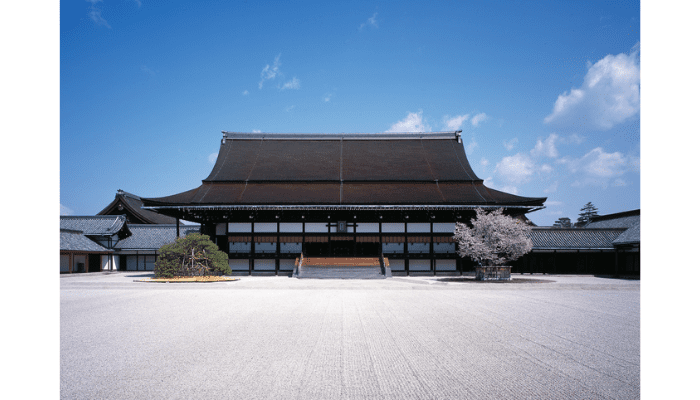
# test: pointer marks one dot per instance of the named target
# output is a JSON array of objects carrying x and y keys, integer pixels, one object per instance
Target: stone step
[{"x": 340, "y": 272}]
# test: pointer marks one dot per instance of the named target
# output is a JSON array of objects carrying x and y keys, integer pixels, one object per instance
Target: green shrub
[{"x": 192, "y": 255}]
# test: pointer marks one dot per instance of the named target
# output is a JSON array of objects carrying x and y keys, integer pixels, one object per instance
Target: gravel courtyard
[{"x": 572, "y": 337}]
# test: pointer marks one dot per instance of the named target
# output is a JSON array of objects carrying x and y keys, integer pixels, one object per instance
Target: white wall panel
[
  {"x": 291, "y": 227},
  {"x": 443, "y": 247},
  {"x": 238, "y": 265},
  {"x": 393, "y": 227},
  {"x": 444, "y": 227},
  {"x": 221, "y": 228},
  {"x": 65, "y": 262},
  {"x": 365, "y": 227},
  {"x": 265, "y": 227},
  {"x": 316, "y": 227},
  {"x": 240, "y": 227},
  {"x": 263, "y": 265},
  {"x": 445, "y": 265},
  {"x": 290, "y": 247},
  {"x": 238, "y": 247},
  {"x": 390, "y": 248},
  {"x": 419, "y": 265},
  {"x": 419, "y": 248},
  {"x": 421, "y": 227}
]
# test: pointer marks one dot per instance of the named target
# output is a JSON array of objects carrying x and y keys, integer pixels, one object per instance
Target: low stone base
[{"x": 501, "y": 273}]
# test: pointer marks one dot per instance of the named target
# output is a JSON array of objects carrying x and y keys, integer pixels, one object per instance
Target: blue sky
[{"x": 547, "y": 93}]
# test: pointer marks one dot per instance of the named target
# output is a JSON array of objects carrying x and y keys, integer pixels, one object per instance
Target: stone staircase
[{"x": 342, "y": 268}]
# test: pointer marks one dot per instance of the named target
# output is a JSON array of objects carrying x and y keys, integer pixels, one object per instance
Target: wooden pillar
[
  {"x": 70, "y": 262},
  {"x": 177, "y": 230}
]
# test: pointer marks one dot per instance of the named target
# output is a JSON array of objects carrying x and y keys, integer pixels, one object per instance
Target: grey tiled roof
[
  {"x": 98, "y": 225},
  {"x": 545, "y": 238},
  {"x": 153, "y": 236},
  {"x": 631, "y": 235},
  {"x": 72, "y": 240},
  {"x": 630, "y": 220}
]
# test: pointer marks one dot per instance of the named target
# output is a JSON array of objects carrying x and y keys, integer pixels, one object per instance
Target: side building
[{"x": 273, "y": 196}]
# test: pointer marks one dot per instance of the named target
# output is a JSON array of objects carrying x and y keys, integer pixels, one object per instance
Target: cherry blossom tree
[{"x": 494, "y": 238}]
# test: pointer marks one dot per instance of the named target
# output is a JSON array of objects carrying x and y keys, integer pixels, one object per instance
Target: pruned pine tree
[
  {"x": 587, "y": 212},
  {"x": 192, "y": 255},
  {"x": 494, "y": 238},
  {"x": 562, "y": 222}
]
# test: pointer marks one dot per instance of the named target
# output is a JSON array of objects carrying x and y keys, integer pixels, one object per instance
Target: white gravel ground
[{"x": 575, "y": 337}]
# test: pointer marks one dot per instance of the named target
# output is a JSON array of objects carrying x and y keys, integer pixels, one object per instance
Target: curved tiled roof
[
  {"x": 98, "y": 225},
  {"x": 344, "y": 169},
  {"x": 546, "y": 238},
  {"x": 74, "y": 240},
  {"x": 131, "y": 207},
  {"x": 153, "y": 236}
]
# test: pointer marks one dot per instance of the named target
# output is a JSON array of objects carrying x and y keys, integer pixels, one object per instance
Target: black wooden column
[{"x": 177, "y": 228}]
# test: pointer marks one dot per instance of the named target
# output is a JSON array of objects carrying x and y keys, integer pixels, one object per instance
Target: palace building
[{"x": 271, "y": 197}]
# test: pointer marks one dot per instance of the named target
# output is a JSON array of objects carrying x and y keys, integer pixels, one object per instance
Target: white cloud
[
  {"x": 412, "y": 123},
  {"x": 245, "y": 93},
  {"x": 619, "y": 182},
  {"x": 454, "y": 123},
  {"x": 372, "y": 21},
  {"x": 96, "y": 14},
  {"x": 256, "y": 131},
  {"x": 546, "y": 168},
  {"x": 148, "y": 70},
  {"x": 552, "y": 188},
  {"x": 65, "y": 210},
  {"x": 293, "y": 84},
  {"x": 213, "y": 157},
  {"x": 598, "y": 167},
  {"x": 288, "y": 109},
  {"x": 469, "y": 149},
  {"x": 608, "y": 96},
  {"x": 484, "y": 162},
  {"x": 327, "y": 97},
  {"x": 509, "y": 145},
  {"x": 553, "y": 203},
  {"x": 546, "y": 148},
  {"x": 518, "y": 168},
  {"x": 479, "y": 118},
  {"x": 270, "y": 72}
]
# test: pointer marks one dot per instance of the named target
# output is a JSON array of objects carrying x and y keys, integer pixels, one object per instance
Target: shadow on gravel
[
  {"x": 141, "y": 276},
  {"x": 512, "y": 280}
]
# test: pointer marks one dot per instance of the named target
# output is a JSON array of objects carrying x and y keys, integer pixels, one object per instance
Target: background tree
[
  {"x": 562, "y": 222},
  {"x": 587, "y": 212},
  {"x": 494, "y": 238},
  {"x": 192, "y": 255}
]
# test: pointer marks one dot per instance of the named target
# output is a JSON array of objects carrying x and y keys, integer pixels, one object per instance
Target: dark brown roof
[
  {"x": 345, "y": 169},
  {"x": 128, "y": 204}
]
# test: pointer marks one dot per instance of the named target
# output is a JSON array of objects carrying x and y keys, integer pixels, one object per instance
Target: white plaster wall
[
  {"x": 393, "y": 227},
  {"x": 444, "y": 227},
  {"x": 65, "y": 262},
  {"x": 419, "y": 265},
  {"x": 263, "y": 265},
  {"x": 265, "y": 227},
  {"x": 221, "y": 228},
  {"x": 389, "y": 248},
  {"x": 443, "y": 247},
  {"x": 316, "y": 227},
  {"x": 291, "y": 227},
  {"x": 419, "y": 248},
  {"x": 445, "y": 265},
  {"x": 238, "y": 265},
  {"x": 364, "y": 227},
  {"x": 240, "y": 227},
  {"x": 418, "y": 227}
]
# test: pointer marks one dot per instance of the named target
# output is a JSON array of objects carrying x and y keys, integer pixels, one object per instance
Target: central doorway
[{"x": 342, "y": 248}]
